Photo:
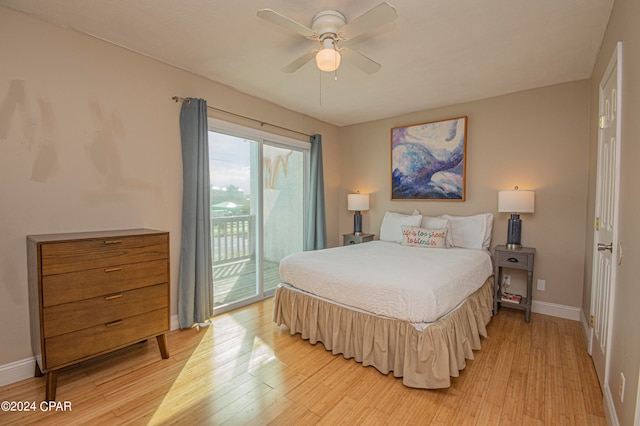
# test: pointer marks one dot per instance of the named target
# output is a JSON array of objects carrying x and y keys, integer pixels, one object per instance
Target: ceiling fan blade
[
  {"x": 367, "y": 65},
  {"x": 287, "y": 23},
  {"x": 379, "y": 15},
  {"x": 298, "y": 63}
]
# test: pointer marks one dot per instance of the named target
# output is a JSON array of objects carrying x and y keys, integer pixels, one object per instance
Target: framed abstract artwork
[{"x": 428, "y": 160}]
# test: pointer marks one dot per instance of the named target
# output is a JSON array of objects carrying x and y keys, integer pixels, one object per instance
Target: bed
[{"x": 415, "y": 302}]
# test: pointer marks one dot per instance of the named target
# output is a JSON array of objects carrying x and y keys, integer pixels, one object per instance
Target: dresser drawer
[
  {"x": 513, "y": 260},
  {"x": 73, "y": 347},
  {"x": 71, "y": 256},
  {"x": 69, "y": 287},
  {"x": 82, "y": 314}
]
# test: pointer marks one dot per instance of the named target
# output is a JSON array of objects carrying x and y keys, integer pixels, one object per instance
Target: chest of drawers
[{"x": 94, "y": 292}]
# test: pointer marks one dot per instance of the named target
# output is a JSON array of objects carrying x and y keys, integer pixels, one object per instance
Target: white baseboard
[
  {"x": 175, "y": 323},
  {"x": 609, "y": 408},
  {"x": 585, "y": 323},
  {"x": 586, "y": 330},
  {"x": 555, "y": 310},
  {"x": 16, "y": 371}
]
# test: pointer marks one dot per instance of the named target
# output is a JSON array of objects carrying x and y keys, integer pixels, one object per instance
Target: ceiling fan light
[{"x": 328, "y": 59}]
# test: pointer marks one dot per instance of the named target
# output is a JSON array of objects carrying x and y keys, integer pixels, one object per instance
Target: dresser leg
[
  {"x": 52, "y": 382},
  {"x": 162, "y": 344}
]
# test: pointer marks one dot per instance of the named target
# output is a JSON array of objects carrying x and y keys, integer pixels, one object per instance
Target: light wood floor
[{"x": 245, "y": 370}]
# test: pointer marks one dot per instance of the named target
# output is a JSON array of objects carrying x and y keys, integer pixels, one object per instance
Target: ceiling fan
[{"x": 329, "y": 28}]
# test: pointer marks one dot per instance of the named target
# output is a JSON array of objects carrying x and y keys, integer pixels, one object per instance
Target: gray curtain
[
  {"x": 316, "y": 235},
  {"x": 195, "y": 287}
]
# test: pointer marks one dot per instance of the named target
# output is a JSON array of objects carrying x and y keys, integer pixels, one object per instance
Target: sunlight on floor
[
  {"x": 230, "y": 368},
  {"x": 261, "y": 355}
]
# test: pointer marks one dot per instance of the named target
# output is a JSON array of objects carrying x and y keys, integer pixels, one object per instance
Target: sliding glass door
[
  {"x": 234, "y": 219},
  {"x": 283, "y": 208},
  {"x": 258, "y": 189}
]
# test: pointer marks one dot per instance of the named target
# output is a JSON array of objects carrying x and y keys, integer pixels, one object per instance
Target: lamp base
[
  {"x": 514, "y": 231},
  {"x": 514, "y": 246},
  {"x": 357, "y": 223}
]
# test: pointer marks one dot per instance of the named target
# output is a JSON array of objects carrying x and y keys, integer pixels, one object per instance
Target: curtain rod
[{"x": 262, "y": 123}]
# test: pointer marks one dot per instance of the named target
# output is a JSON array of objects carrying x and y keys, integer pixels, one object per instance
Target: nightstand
[
  {"x": 356, "y": 239},
  {"x": 521, "y": 258}
]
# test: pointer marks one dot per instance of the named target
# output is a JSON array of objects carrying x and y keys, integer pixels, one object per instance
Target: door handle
[{"x": 603, "y": 247}]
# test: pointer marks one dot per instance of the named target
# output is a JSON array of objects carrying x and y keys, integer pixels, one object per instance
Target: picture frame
[{"x": 428, "y": 160}]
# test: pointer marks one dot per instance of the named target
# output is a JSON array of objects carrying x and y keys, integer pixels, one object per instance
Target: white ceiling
[{"x": 437, "y": 52}]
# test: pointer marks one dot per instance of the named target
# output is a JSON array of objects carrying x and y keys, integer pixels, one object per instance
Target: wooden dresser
[{"x": 94, "y": 292}]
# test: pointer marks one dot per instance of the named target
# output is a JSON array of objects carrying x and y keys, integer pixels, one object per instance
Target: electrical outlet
[
  {"x": 621, "y": 387},
  {"x": 541, "y": 285},
  {"x": 506, "y": 280}
]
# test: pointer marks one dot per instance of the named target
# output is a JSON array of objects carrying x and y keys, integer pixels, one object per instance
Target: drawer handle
[
  {"x": 113, "y": 242},
  {"x": 114, "y": 296},
  {"x": 113, "y": 323},
  {"x": 113, "y": 269},
  {"x": 512, "y": 260}
]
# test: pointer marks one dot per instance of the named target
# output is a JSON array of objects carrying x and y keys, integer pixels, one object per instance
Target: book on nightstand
[{"x": 511, "y": 298}]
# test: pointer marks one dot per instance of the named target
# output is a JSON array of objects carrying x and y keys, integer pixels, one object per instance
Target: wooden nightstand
[
  {"x": 356, "y": 239},
  {"x": 521, "y": 258}
]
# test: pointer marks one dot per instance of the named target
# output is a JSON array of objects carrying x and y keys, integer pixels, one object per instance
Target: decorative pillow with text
[{"x": 424, "y": 237}]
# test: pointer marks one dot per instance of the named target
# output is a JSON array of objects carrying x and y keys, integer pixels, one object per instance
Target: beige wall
[
  {"x": 625, "y": 344},
  {"x": 537, "y": 139},
  {"x": 89, "y": 139}
]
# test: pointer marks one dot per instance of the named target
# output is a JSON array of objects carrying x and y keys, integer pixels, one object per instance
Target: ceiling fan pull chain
[
  {"x": 320, "y": 94},
  {"x": 335, "y": 61}
]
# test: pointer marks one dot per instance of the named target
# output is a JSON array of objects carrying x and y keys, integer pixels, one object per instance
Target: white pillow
[
  {"x": 391, "y": 228},
  {"x": 433, "y": 222},
  {"x": 437, "y": 223},
  {"x": 486, "y": 243},
  {"x": 472, "y": 232}
]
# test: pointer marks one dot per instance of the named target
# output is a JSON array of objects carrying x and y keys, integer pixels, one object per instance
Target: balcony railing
[{"x": 232, "y": 238}]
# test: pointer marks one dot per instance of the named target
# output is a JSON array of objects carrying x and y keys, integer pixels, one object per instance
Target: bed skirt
[{"x": 424, "y": 359}]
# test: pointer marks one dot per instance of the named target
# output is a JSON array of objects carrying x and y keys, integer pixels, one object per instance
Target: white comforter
[{"x": 407, "y": 283}]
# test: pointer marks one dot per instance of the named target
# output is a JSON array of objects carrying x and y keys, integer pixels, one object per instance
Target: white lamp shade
[
  {"x": 328, "y": 60},
  {"x": 516, "y": 201},
  {"x": 358, "y": 202}
]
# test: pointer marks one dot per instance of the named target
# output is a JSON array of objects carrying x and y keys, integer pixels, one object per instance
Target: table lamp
[
  {"x": 515, "y": 202},
  {"x": 358, "y": 203}
]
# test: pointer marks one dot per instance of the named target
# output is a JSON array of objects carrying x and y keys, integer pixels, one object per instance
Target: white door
[{"x": 605, "y": 231}]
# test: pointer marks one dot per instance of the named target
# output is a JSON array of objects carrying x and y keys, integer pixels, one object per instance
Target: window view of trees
[{"x": 229, "y": 201}]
